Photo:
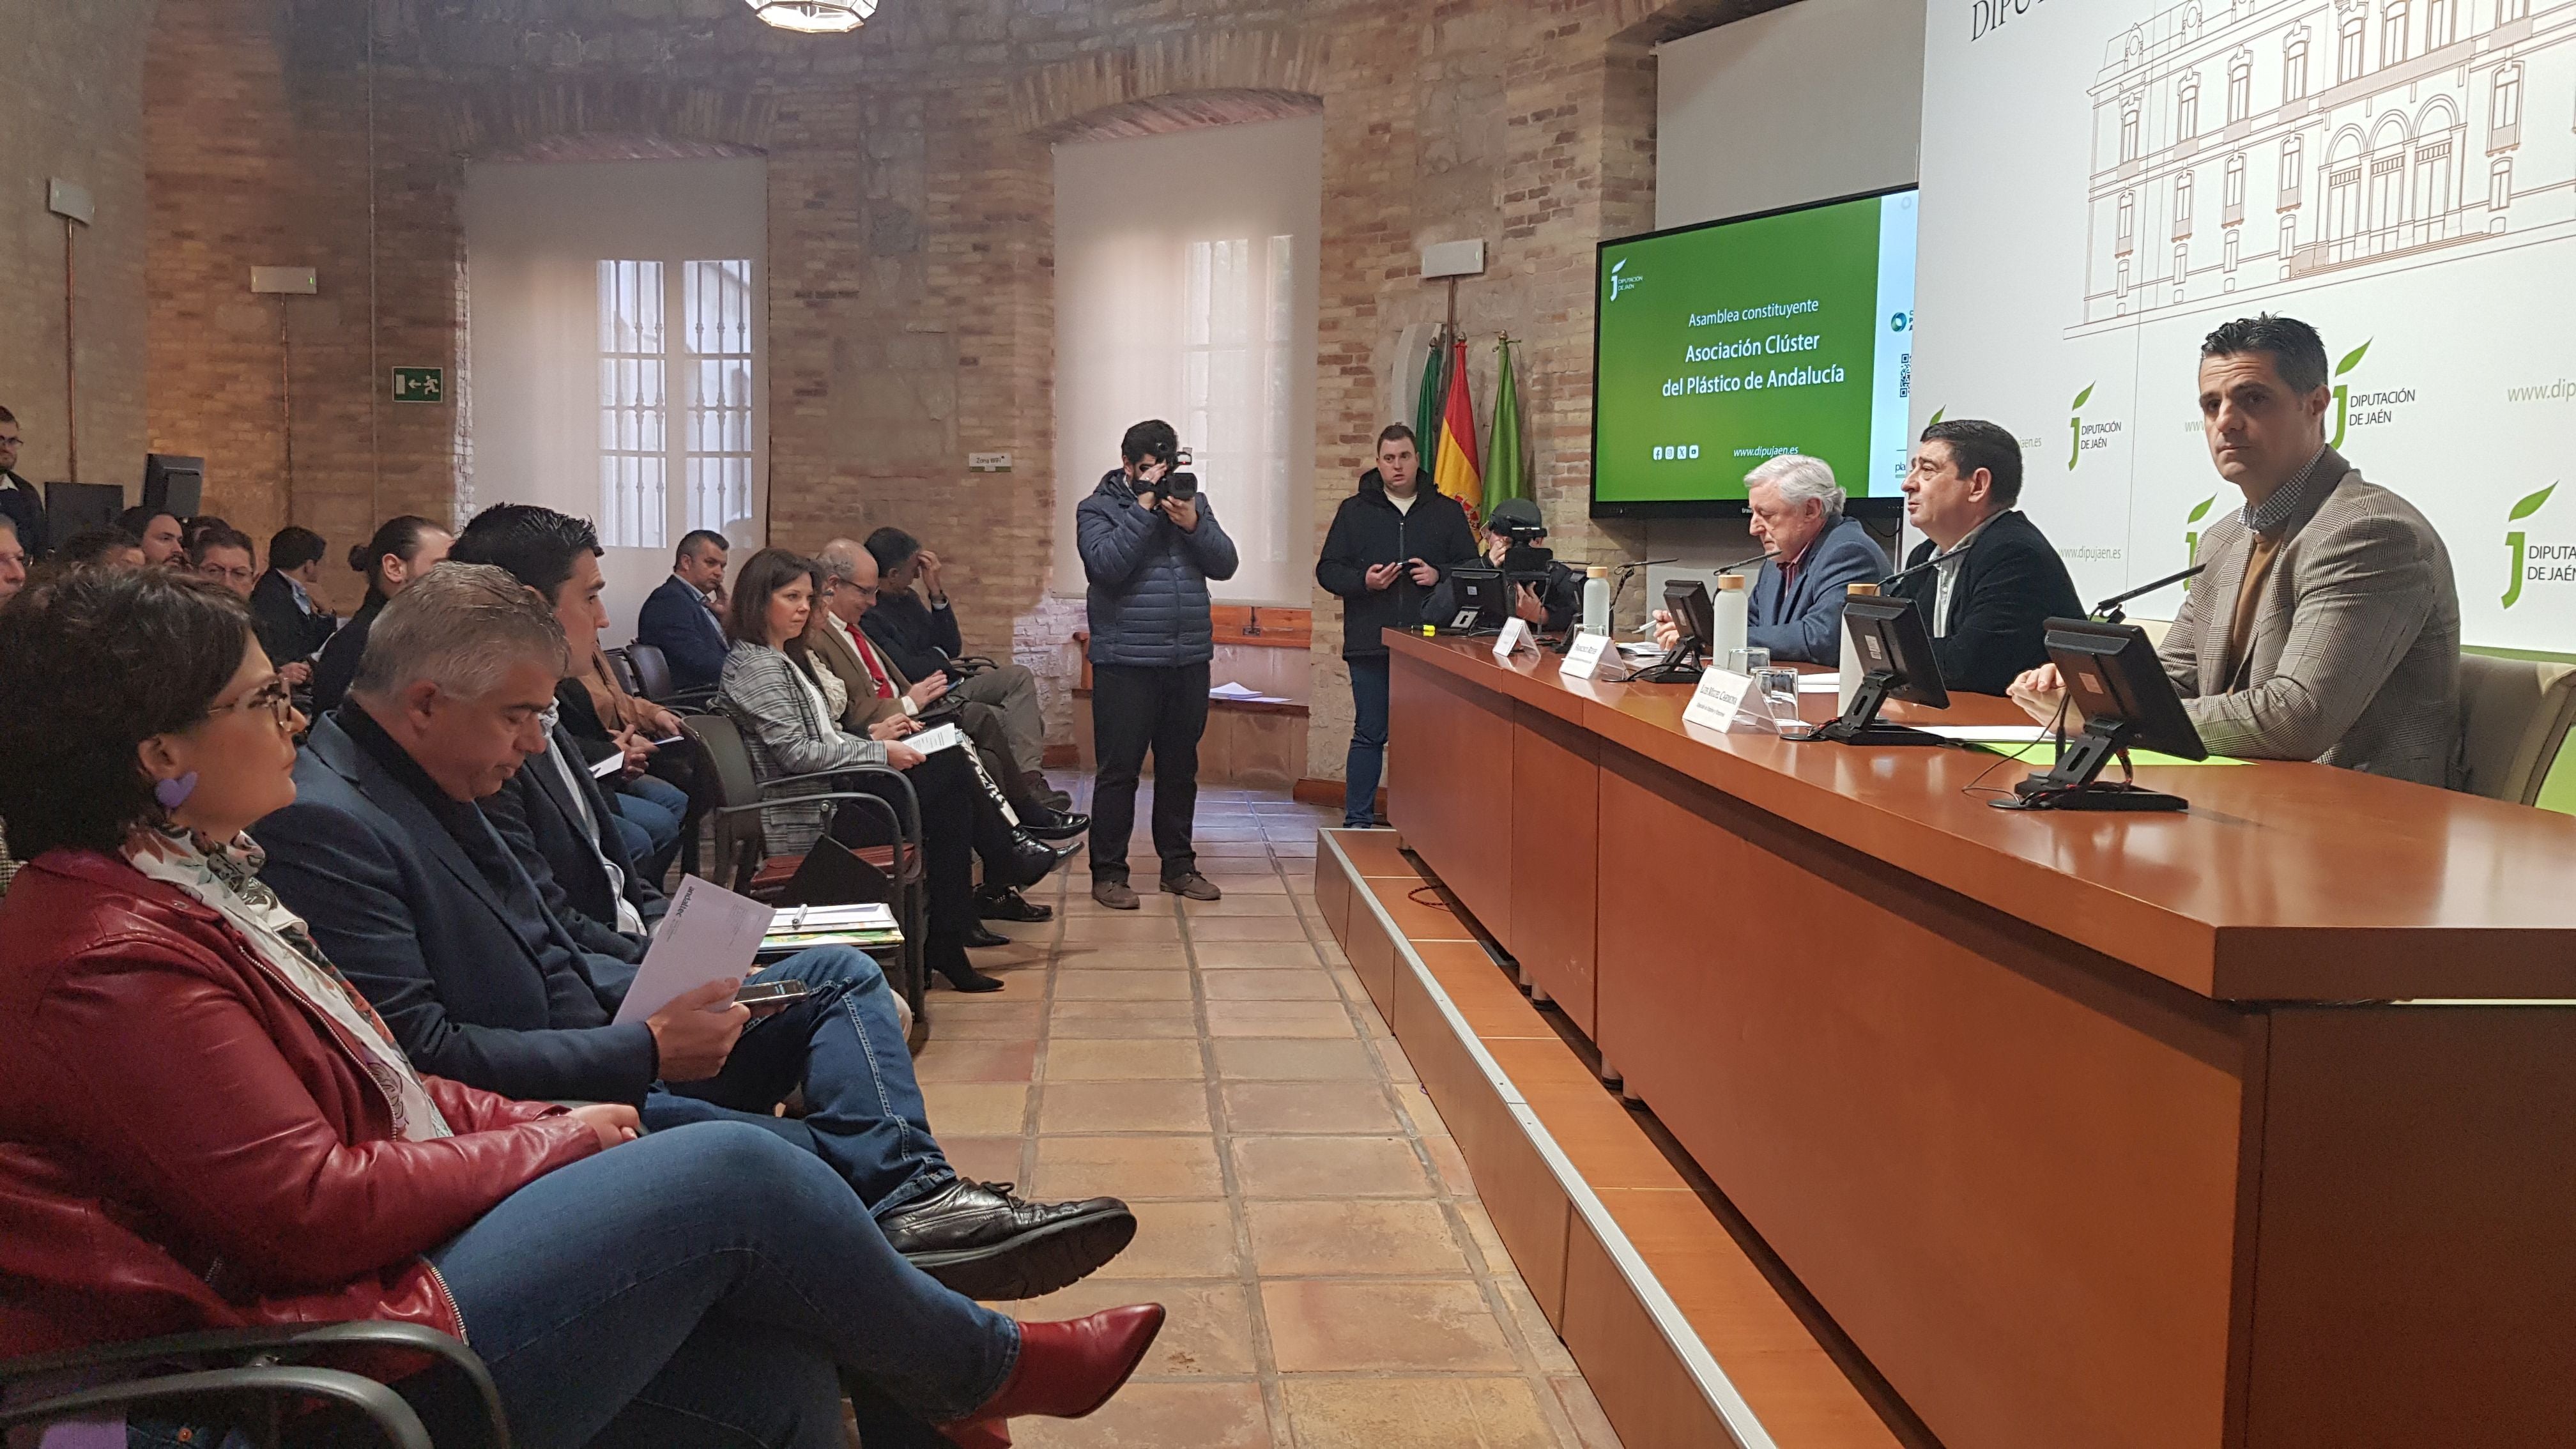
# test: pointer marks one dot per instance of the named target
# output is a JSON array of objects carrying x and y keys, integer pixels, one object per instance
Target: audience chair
[
  {"x": 653, "y": 679},
  {"x": 623, "y": 668},
  {"x": 255, "y": 1381},
  {"x": 742, "y": 846},
  {"x": 2514, "y": 716}
]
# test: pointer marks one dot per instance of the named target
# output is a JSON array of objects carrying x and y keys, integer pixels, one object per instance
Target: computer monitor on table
[
  {"x": 2118, "y": 688},
  {"x": 1897, "y": 662},
  {"x": 1694, "y": 614}
]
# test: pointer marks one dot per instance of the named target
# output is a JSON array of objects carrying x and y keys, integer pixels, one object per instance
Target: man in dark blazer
[
  {"x": 291, "y": 627},
  {"x": 416, "y": 897},
  {"x": 20, "y": 503},
  {"x": 679, "y": 618},
  {"x": 558, "y": 823},
  {"x": 1988, "y": 605},
  {"x": 1797, "y": 604}
]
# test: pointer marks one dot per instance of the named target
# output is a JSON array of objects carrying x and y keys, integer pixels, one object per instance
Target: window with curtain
[{"x": 1201, "y": 312}]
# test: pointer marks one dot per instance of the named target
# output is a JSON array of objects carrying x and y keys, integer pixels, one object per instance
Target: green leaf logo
[
  {"x": 1937, "y": 415},
  {"x": 2530, "y": 505},
  {"x": 2081, "y": 397},
  {"x": 2202, "y": 511},
  {"x": 2353, "y": 358}
]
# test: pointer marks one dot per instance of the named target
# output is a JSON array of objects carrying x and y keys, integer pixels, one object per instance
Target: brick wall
[
  {"x": 911, "y": 234},
  {"x": 73, "y": 108}
]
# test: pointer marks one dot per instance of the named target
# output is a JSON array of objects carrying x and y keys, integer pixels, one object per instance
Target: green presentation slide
[{"x": 1726, "y": 344}]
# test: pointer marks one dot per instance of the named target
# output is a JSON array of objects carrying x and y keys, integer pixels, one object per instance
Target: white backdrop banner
[{"x": 2106, "y": 180}]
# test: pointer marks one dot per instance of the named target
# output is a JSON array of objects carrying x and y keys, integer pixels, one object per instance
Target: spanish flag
[{"x": 1456, "y": 472}]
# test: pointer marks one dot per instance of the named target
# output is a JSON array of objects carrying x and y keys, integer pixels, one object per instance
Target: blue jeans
[
  {"x": 844, "y": 1045},
  {"x": 1367, "y": 761},
  {"x": 656, "y": 808},
  {"x": 701, "y": 1287}
]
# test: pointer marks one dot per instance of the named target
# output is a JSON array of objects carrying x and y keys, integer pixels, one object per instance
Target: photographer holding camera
[
  {"x": 1515, "y": 539},
  {"x": 1391, "y": 543},
  {"x": 1149, "y": 544}
]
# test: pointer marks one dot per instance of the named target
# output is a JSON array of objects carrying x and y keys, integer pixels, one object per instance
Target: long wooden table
[{"x": 2251, "y": 1127}]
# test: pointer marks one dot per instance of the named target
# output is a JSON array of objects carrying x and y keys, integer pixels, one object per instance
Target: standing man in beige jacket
[{"x": 2327, "y": 626}]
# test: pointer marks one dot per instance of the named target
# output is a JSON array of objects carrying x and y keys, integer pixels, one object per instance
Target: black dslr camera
[{"x": 1180, "y": 483}]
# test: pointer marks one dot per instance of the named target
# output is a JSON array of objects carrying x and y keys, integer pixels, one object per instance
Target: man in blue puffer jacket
[{"x": 1148, "y": 557}]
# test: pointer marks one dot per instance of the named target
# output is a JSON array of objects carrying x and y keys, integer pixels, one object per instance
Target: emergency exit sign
[{"x": 420, "y": 384}]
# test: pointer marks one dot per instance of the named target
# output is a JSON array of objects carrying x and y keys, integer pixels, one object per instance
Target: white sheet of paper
[
  {"x": 608, "y": 767},
  {"x": 1989, "y": 734},
  {"x": 1515, "y": 634},
  {"x": 1233, "y": 690},
  {"x": 1643, "y": 651},
  {"x": 1583, "y": 661},
  {"x": 1819, "y": 683},
  {"x": 709, "y": 934},
  {"x": 936, "y": 738}
]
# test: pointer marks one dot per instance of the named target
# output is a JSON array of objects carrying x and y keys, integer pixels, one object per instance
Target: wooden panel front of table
[{"x": 2252, "y": 1126}]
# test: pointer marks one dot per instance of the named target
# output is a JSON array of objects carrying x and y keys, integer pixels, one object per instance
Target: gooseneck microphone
[
  {"x": 1930, "y": 563},
  {"x": 1746, "y": 562},
  {"x": 2109, "y": 610}
]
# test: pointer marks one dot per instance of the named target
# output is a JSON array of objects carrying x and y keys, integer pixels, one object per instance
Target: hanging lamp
[{"x": 815, "y": 17}]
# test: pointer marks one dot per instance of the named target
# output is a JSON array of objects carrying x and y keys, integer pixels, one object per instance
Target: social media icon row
[{"x": 1677, "y": 452}]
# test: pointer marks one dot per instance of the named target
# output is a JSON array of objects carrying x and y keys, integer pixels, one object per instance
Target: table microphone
[
  {"x": 1746, "y": 562},
  {"x": 1930, "y": 563},
  {"x": 2109, "y": 610}
]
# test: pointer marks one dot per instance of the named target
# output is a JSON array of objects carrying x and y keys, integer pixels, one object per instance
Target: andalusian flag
[
  {"x": 1508, "y": 473},
  {"x": 1426, "y": 403},
  {"x": 1458, "y": 474}
]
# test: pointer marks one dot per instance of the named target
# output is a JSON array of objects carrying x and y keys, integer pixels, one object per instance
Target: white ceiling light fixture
[{"x": 815, "y": 17}]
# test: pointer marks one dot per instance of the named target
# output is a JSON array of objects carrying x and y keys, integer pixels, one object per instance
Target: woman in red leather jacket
[{"x": 203, "y": 1126}]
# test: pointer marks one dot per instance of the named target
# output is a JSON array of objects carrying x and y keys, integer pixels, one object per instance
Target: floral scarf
[{"x": 225, "y": 876}]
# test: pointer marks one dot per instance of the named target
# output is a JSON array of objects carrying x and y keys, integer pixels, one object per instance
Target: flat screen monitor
[
  {"x": 1693, "y": 612},
  {"x": 72, "y": 507},
  {"x": 174, "y": 485},
  {"x": 2113, "y": 679},
  {"x": 1721, "y": 345},
  {"x": 1897, "y": 662},
  {"x": 1483, "y": 602}
]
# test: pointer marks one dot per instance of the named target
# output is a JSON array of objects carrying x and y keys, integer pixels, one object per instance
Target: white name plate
[
  {"x": 1515, "y": 634},
  {"x": 1584, "y": 660},
  {"x": 1720, "y": 703}
]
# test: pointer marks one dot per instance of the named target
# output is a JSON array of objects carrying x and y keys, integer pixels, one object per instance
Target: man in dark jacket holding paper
[
  {"x": 1391, "y": 544},
  {"x": 1149, "y": 550}
]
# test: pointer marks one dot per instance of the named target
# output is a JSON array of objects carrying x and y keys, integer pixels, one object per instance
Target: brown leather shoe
[
  {"x": 1195, "y": 886},
  {"x": 1117, "y": 895}
]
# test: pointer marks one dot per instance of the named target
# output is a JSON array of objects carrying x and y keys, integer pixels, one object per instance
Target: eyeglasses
[
  {"x": 220, "y": 573},
  {"x": 276, "y": 696}
]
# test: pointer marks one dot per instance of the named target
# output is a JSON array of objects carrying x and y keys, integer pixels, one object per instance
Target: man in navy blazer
[
  {"x": 1796, "y": 610},
  {"x": 413, "y": 893},
  {"x": 678, "y": 618},
  {"x": 1797, "y": 604}
]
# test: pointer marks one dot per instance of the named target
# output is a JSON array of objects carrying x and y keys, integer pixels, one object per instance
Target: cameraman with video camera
[
  {"x": 1515, "y": 542},
  {"x": 1149, "y": 544}
]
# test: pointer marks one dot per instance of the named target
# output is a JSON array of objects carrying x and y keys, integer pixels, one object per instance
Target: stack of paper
[
  {"x": 1243, "y": 694},
  {"x": 867, "y": 925}
]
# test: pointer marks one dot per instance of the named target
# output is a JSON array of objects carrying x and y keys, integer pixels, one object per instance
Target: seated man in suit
[
  {"x": 922, "y": 639},
  {"x": 412, "y": 892},
  {"x": 681, "y": 617},
  {"x": 1797, "y": 604},
  {"x": 2328, "y": 625},
  {"x": 291, "y": 627},
  {"x": 21, "y": 506},
  {"x": 880, "y": 702},
  {"x": 1988, "y": 602}
]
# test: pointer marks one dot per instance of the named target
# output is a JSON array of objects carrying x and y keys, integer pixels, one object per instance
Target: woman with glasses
[
  {"x": 208, "y": 1128},
  {"x": 773, "y": 685}
]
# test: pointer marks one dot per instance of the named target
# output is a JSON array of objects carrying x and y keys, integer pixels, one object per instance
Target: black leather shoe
[
  {"x": 980, "y": 1240},
  {"x": 1056, "y": 825},
  {"x": 979, "y": 939},
  {"x": 1028, "y": 862},
  {"x": 1010, "y": 905},
  {"x": 960, "y": 974}
]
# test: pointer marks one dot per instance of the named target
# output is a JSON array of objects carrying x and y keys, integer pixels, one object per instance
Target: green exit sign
[{"x": 420, "y": 384}]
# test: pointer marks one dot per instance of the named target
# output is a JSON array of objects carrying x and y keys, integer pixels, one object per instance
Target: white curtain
[
  {"x": 616, "y": 321},
  {"x": 1186, "y": 290}
]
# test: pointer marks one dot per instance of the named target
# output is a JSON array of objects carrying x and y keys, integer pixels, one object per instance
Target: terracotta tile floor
[{"x": 1331, "y": 1276}]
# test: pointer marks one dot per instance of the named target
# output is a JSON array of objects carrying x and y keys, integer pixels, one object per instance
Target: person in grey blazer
[
  {"x": 1817, "y": 555},
  {"x": 2327, "y": 626}
]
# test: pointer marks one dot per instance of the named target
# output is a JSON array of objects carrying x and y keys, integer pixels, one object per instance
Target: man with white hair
[{"x": 1818, "y": 553}]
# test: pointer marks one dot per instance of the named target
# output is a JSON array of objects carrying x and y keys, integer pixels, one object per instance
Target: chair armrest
[
  {"x": 277, "y": 1344},
  {"x": 383, "y": 1408}
]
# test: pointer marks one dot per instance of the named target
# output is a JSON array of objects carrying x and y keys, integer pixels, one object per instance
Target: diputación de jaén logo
[
  {"x": 2343, "y": 391},
  {"x": 2548, "y": 563},
  {"x": 1620, "y": 281},
  {"x": 2191, "y": 532},
  {"x": 2075, "y": 426}
]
